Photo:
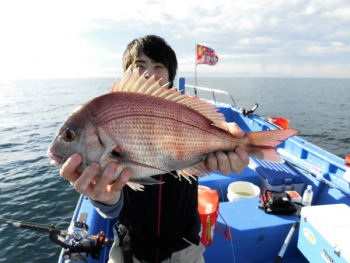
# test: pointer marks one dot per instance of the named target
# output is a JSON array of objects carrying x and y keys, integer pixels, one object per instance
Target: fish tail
[{"x": 261, "y": 144}]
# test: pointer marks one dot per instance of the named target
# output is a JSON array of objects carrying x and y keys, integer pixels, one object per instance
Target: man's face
[{"x": 144, "y": 63}]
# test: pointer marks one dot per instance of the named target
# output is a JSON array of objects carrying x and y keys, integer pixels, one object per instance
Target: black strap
[{"x": 124, "y": 242}]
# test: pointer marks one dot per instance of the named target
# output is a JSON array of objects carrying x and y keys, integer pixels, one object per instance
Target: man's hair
[{"x": 156, "y": 49}]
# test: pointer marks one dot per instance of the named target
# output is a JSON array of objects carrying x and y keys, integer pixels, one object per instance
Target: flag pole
[
  {"x": 207, "y": 56},
  {"x": 195, "y": 69},
  {"x": 195, "y": 65}
]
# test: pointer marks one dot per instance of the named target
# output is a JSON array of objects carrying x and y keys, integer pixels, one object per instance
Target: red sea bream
[{"x": 153, "y": 130}]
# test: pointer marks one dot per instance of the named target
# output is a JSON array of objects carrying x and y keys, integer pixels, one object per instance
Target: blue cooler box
[
  {"x": 277, "y": 176},
  {"x": 324, "y": 233}
]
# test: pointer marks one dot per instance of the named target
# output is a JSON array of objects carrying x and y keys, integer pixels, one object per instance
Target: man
[{"x": 161, "y": 222}]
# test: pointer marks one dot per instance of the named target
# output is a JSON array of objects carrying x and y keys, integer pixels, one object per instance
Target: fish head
[{"x": 74, "y": 136}]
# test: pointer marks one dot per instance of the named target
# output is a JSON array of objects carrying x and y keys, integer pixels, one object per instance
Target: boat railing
[
  {"x": 182, "y": 87},
  {"x": 213, "y": 91}
]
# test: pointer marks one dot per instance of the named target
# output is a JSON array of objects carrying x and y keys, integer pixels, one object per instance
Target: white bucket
[{"x": 242, "y": 190}]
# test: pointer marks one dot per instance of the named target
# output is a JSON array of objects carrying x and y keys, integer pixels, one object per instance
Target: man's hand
[
  {"x": 97, "y": 189},
  {"x": 233, "y": 161}
]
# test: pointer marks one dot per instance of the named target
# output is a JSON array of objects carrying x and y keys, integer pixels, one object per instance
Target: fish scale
[{"x": 164, "y": 138}]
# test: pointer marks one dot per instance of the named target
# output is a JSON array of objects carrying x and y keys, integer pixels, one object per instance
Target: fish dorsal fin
[
  {"x": 133, "y": 82},
  {"x": 120, "y": 84}
]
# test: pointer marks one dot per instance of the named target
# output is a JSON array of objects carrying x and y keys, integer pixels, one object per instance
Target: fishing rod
[{"x": 79, "y": 240}]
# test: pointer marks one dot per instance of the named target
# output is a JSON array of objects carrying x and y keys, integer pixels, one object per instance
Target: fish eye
[{"x": 69, "y": 135}]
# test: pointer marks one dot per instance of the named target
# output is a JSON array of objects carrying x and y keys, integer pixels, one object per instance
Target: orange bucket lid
[
  {"x": 347, "y": 159},
  {"x": 208, "y": 200},
  {"x": 280, "y": 121}
]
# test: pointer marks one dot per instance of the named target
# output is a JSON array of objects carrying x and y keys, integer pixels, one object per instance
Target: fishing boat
[{"x": 243, "y": 232}]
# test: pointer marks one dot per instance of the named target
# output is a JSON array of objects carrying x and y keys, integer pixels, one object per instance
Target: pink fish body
[{"x": 152, "y": 130}]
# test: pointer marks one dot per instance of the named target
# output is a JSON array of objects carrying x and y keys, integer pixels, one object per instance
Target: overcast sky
[{"x": 258, "y": 38}]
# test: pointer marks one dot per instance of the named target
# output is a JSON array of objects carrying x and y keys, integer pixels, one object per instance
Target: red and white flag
[{"x": 206, "y": 55}]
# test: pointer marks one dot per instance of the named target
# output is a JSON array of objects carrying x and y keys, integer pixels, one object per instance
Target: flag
[{"x": 206, "y": 55}]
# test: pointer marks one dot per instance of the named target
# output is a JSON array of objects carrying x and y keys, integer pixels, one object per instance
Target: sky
[{"x": 252, "y": 38}]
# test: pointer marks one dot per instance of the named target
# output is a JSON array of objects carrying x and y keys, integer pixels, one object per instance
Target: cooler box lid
[
  {"x": 276, "y": 173},
  {"x": 332, "y": 222},
  {"x": 323, "y": 216}
]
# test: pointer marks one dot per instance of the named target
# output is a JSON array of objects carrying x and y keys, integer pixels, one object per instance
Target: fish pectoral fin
[
  {"x": 198, "y": 169},
  {"x": 125, "y": 161},
  {"x": 146, "y": 181}
]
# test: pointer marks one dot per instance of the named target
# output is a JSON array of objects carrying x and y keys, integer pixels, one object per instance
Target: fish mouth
[{"x": 56, "y": 160}]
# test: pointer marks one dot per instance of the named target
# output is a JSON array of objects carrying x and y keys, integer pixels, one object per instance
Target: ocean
[{"x": 32, "y": 110}]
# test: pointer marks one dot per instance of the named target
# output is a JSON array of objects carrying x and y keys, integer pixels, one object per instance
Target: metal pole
[
  {"x": 286, "y": 242},
  {"x": 195, "y": 65}
]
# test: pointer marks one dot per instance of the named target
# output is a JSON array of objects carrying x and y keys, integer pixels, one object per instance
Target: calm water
[{"x": 31, "y": 111}]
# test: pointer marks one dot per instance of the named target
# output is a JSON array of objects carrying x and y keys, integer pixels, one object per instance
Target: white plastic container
[
  {"x": 242, "y": 190},
  {"x": 324, "y": 233},
  {"x": 307, "y": 196}
]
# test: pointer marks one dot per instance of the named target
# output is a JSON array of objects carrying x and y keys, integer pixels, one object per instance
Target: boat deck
[{"x": 256, "y": 236}]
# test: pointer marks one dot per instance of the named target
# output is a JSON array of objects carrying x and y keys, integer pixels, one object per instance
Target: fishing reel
[
  {"x": 79, "y": 245},
  {"x": 78, "y": 230}
]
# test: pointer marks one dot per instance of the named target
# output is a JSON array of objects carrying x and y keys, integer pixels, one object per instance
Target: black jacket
[{"x": 161, "y": 217}]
